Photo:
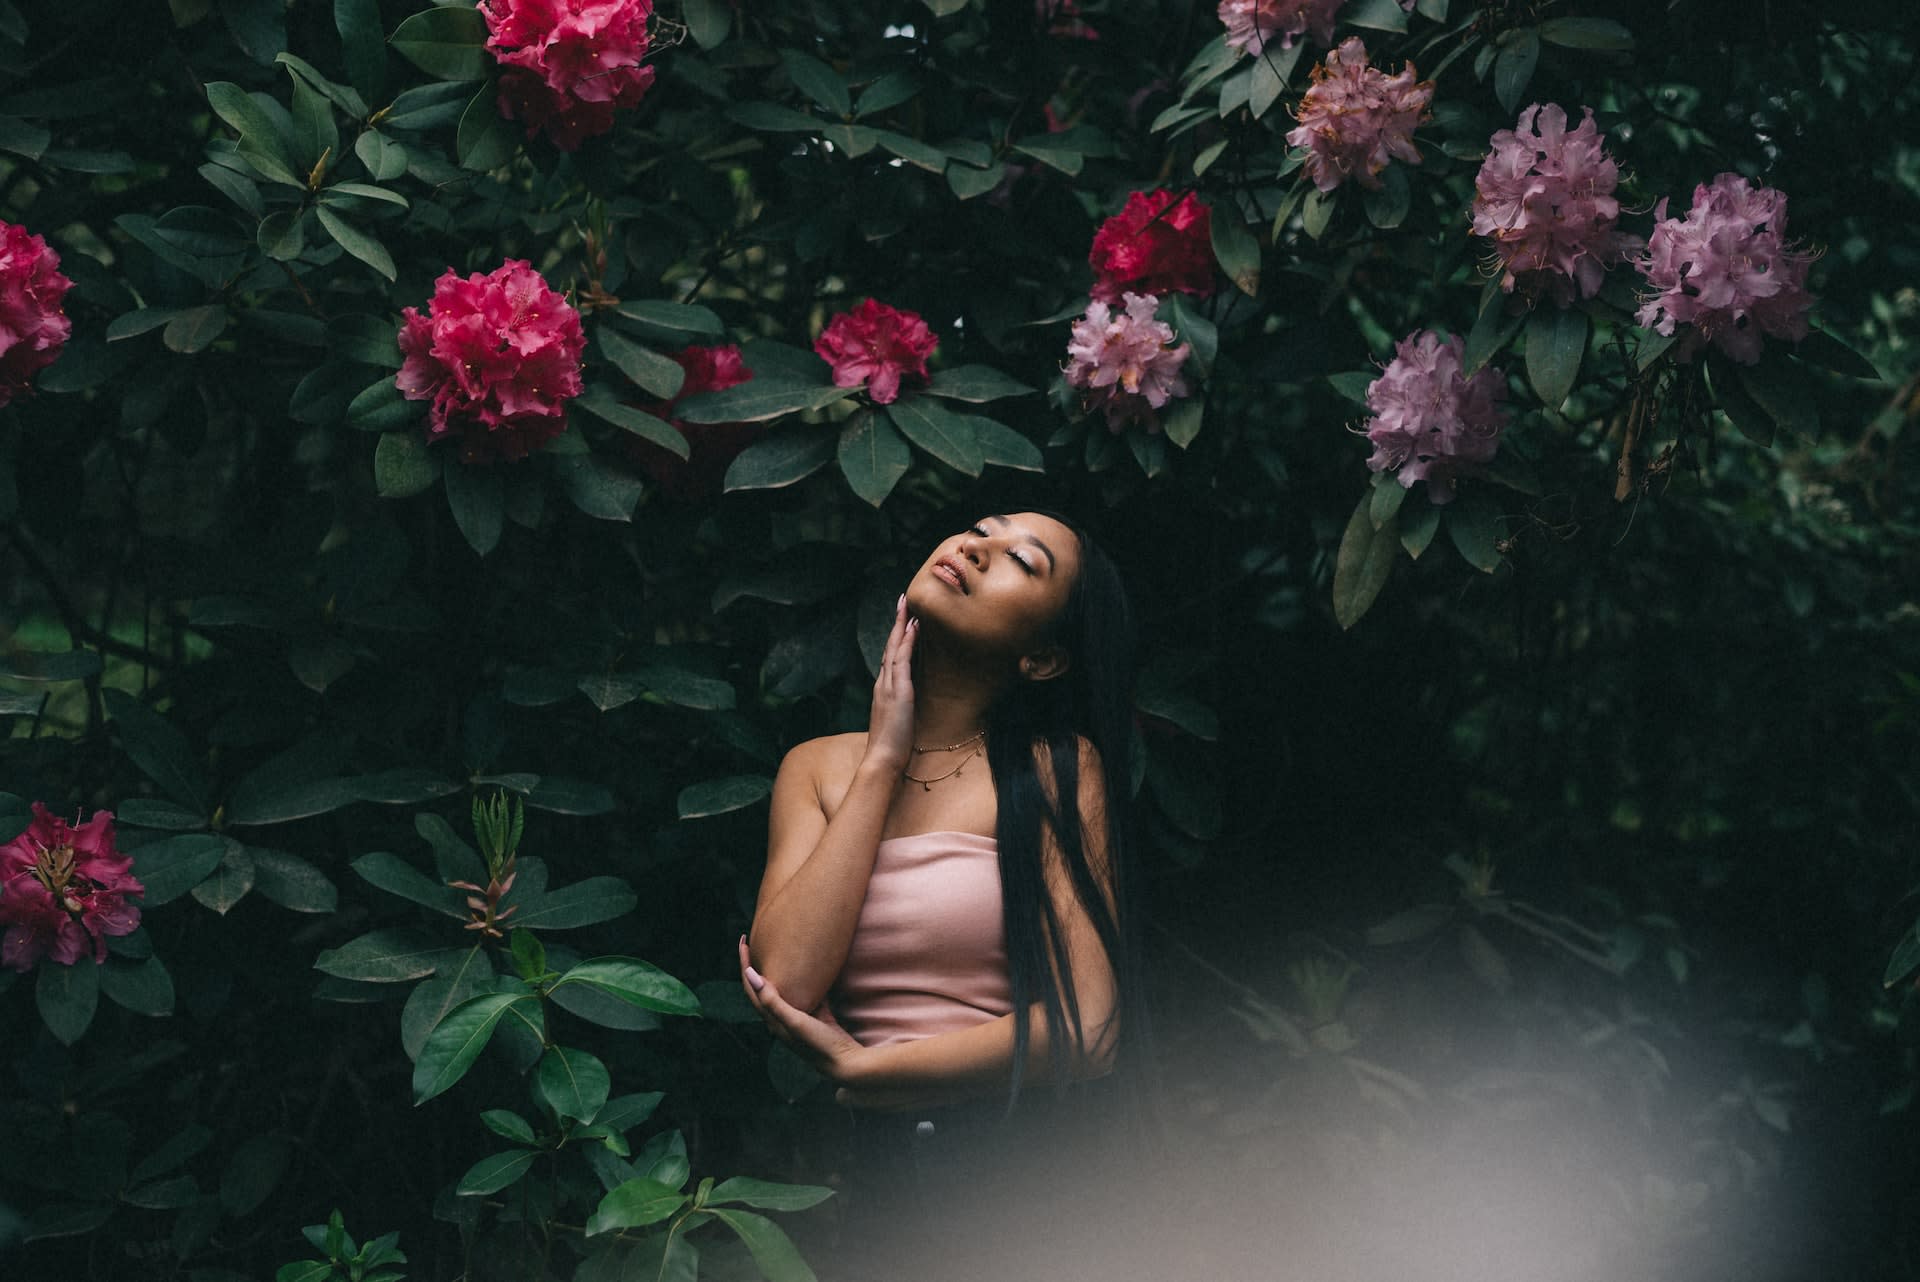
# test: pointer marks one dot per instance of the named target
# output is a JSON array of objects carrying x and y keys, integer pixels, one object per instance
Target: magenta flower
[
  {"x": 1726, "y": 269},
  {"x": 498, "y": 355},
  {"x": 63, "y": 890},
  {"x": 1545, "y": 196},
  {"x": 1161, "y": 242},
  {"x": 1355, "y": 118},
  {"x": 877, "y": 345},
  {"x": 33, "y": 328},
  {"x": 1429, "y": 421},
  {"x": 710, "y": 446},
  {"x": 1126, "y": 363},
  {"x": 567, "y": 64},
  {"x": 1252, "y": 24}
]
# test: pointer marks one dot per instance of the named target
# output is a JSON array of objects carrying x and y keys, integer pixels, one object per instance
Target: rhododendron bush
[{"x": 449, "y": 452}]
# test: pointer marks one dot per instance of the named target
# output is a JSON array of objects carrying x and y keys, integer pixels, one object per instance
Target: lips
[{"x": 949, "y": 570}]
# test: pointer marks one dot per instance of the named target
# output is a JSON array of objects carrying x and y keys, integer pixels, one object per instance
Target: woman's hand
[
  {"x": 818, "y": 1038},
  {"x": 890, "y": 725}
]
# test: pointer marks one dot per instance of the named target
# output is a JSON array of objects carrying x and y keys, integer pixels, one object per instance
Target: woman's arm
[{"x": 818, "y": 869}]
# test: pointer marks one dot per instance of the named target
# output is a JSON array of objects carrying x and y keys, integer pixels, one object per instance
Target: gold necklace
[
  {"x": 976, "y": 735},
  {"x": 926, "y": 784}
]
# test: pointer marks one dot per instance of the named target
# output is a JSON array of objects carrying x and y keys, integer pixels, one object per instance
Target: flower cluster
[
  {"x": 498, "y": 355},
  {"x": 1354, "y": 118},
  {"x": 63, "y": 889},
  {"x": 567, "y": 64},
  {"x": 1545, "y": 196},
  {"x": 1727, "y": 270},
  {"x": 1252, "y": 24},
  {"x": 33, "y": 328},
  {"x": 1160, "y": 243},
  {"x": 710, "y": 446},
  {"x": 1428, "y": 420},
  {"x": 1126, "y": 362},
  {"x": 877, "y": 345}
]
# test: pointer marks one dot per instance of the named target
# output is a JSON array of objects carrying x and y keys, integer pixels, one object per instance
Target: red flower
[
  {"x": 62, "y": 889},
  {"x": 876, "y": 345},
  {"x": 498, "y": 356},
  {"x": 710, "y": 446},
  {"x": 567, "y": 64},
  {"x": 33, "y": 329},
  {"x": 1158, "y": 244}
]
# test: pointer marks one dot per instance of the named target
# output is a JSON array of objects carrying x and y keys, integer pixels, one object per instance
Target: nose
[{"x": 974, "y": 549}]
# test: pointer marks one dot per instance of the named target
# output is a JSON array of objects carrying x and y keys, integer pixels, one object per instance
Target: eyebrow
[{"x": 1051, "y": 563}]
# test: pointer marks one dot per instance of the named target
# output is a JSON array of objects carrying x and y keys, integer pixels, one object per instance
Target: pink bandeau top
[{"x": 929, "y": 951}]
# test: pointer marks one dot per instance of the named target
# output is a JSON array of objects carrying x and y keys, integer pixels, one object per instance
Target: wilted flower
[
  {"x": 710, "y": 446},
  {"x": 568, "y": 63},
  {"x": 498, "y": 355},
  {"x": 1545, "y": 196},
  {"x": 33, "y": 328},
  {"x": 1126, "y": 362},
  {"x": 1160, "y": 243},
  {"x": 63, "y": 890},
  {"x": 1429, "y": 421},
  {"x": 1355, "y": 118},
  {"x": 877, "y": 345},
  {"x": 1726, "y": 269},
  {"x": 1252, "y": 24}
]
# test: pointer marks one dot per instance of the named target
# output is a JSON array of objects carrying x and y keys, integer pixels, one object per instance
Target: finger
[
  {"x": 746, "y": 985},
  {"x": 895, "y": 632}
]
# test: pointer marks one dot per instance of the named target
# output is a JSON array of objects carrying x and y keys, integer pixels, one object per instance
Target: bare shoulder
[{"x": 824, "y": 766}]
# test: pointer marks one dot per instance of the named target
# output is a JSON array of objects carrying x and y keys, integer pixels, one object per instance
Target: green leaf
[
  {"x": 780, "y": 458},
  {"x": 1418, "y": 528},
  {"x": 767, "y": 1195},
  {"x": 1473, "y": 526},
  {"x": 529, "y": 954},
  {"x": 228, "y": 883},
  {"x": 292, "y": 882},
  {"x": 718, "y": 796},
  {"x": 508, "y": 1125},
  {"x": 1388, "y": 205},
  {"x": 570, "y": 796},
  {"x": 1513, "y": 67},
  {"x": 1182, "y": 422},
  {"x": 584, "y": 903},
  {"x": 1905, "y": 959},
  {"x": 676, "y": 322},
  {"x": 66, "y": 665},
  {"x": 158, "y": 749},
  {"x": 491, "y": 1174},
  {"x": 67, "y": 997},
  {"x": 599, "y": 488},
  {"x": 1270, "y": 72},
  {"x": 253, "y": 1172},
  {"x": 143, "y": 812},
  {"x": 873, "y": 458},
  {"x": 571, "y": 1082},
  {"x": 624, "y": 1112},
  {"x": 975, "y": 383},
  {"x": 1785, "y": 391},
  {"x": 402, "y": 463},
  {"x": 685, "y": 689},
  {"x": 600, "y": 403},
  {"x": 1364, "y": 561},
  {"x": 1556, "y": 340},
  {"x": 1236, "y": 250},
  {"x": 635, "y": 982},
  {"x": 649, "y": 369},
  {"x": 382, "y": 956},
  {"x": 759, "y": 399},
  {"x": 913, "y": 151},
  {"x": 1586, "y": 33},
  {"x": 771, "y": 117},
  {"x": 264, "y": 797},
  {"x": 1044, "y": 149},
  {"x": 635, "y": 1204},
  {"x": 483, "y": 140},
  {"x": 1829, "y": 353},
  {"x": 261, "y": 143},
  {"x": 1387, "y": 498},
  {"x": 194, "y": 329},
  {"x": 773, "y": 1251},
  {"x": 356, "y": 242},
  {"x": 452, "y": 1047},
  {"x": 477, "y": 497},
  {"x": 1316, "y": 210},
  {"x": 433, "y": 999},
  {"x": 169, "y": 869},
  {"x": 707, "y": 21},
  {"x": 939, "y": 431},
  {"x": 1001, "y": 446},
  {"x": 363, "y": 45},
  {"x": 314, "y": 132},
  {"x": 367, "y": 191},
  {"x": 818, "y": 81},
  {"x": 380, "y": 407},
  {"x": 384, "y": 158},
  {"x": 1378, "y": 15},
  {"x": 282, "y": 235},
  {"x": 446, "y": 41},
  {"x": 1729, "y": 393},
  {"x": 396, "y": 876},
  {"x": 967, "y": 182},
  {"x": 1492, "y": 328}
]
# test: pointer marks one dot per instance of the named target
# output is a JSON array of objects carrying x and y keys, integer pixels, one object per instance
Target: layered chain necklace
[{"x": 926, "y": 785}]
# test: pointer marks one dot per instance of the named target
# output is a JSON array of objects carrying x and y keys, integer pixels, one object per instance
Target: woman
[{"x": 928, "y": 931}]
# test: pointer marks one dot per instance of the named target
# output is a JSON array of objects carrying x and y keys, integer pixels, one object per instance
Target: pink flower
[
  {"x": 498, "y": 356},
  {"x": 1545, "y": 196},
  {"x": 710, "y": 446},
  {"x": 876, "y": 345},
  {"x": 1160, "y": 243},
  {"x": 1727, "y": 270},
  {"x": 569, "y": 63},
  {"x": 1252, "y": 24},
  {"x": 33, "y": 328},
  {"x": 1127, "y": 362},
  {"x": 62, "y": 890},
  {"x": 1354, "y": 118},
  {"x": 1430, "y": 422}
]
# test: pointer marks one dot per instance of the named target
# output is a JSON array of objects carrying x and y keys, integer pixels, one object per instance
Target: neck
[{"x": 951, "y": 693}]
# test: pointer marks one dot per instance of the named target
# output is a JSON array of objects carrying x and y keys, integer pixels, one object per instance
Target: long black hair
[{"x": 1048, "y": 721}]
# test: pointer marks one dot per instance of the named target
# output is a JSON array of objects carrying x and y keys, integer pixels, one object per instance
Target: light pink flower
[
  {"x": 567, "y": 64},
  {"x": 1126, "y": 362},
  {"x": 63, "y": 890},
  {"x": 498, "y": 355},
  {"x": 33, "y": 328},
  {"x": 1545, "y": 196},
  {"x": 1726, "y": 269},
  {"x": 877, "y": 345},
  {"x": 1252, "y": 24},
  {"x": 1162, "y": 242},
  {"x": 1355, "y": 118},
  {"x": 1428, "y": 421}
]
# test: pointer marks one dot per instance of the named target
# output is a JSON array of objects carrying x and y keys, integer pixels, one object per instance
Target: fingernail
[
  {"x": 902, "y": 601},
  {"x": 753, "y": 977},
  {"x": 743, "y": 939}
]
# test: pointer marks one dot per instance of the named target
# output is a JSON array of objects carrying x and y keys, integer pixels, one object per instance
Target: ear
[{"x": 1046, "y": 664}]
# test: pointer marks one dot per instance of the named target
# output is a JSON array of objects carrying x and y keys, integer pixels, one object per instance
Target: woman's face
[{"x": 998, "y": 585}]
